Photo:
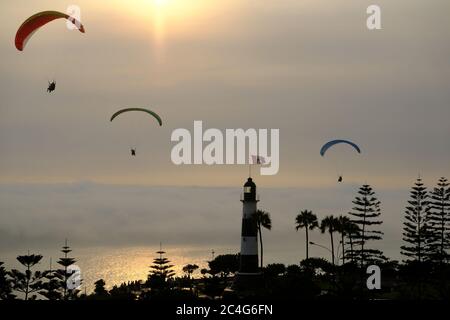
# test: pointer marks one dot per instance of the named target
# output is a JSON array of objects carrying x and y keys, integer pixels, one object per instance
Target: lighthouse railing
[{"x": 243, "y": 196}]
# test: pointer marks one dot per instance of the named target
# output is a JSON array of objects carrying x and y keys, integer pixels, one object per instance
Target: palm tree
[
  {"x": 352, "y": 231},
  {"x": 308, "y": 220},
  {"x": 329, "y": 224},
  {"x": 262, "y": 220},
  {"x": 342, "y": 224}
]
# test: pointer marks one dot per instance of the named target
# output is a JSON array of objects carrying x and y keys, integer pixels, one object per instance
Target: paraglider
[
  {"x": 150, "y": 112},
  {"x": 36, "y": 21},
  {"x": 51, "y": 86},
  {"x": 332, "y": 143}
]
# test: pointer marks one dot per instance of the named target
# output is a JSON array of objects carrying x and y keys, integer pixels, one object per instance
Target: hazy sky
[{"x": 310, "y": 68}]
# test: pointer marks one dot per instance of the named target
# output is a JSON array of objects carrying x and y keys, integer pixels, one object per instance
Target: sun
[{"x": 160, "y": 3}]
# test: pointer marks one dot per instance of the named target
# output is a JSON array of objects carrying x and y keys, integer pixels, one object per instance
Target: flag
[{"x": 258, "y": 160}]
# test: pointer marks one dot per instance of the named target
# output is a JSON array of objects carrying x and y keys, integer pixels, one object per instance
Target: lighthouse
[{"x": 249, "y": 273}]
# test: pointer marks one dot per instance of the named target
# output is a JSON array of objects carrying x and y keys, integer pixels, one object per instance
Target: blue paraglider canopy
[{"x": 329, "y": 144}]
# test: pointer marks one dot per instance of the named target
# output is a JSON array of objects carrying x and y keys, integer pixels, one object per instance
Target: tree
[
  {"x": 27, "y": 282},
  {"x": 100, "y": 290},
  {"x": 439, "y": 217},
  {"x": 160, "y": 272},
  {"x": 262, "y": 220},
  {"x": 329, "y": 224},
  {"x": 365, "y": 214},
  {"x": 415, "y": 227},
  {"x": 189, "y": 269},
  {"x": 53, "y": 284},
  {"x": 65, "y": 273},
  {"x": 342, "y": 227},
  {"x": 225, "y": 264},
  {"x": 273, "y": 270},
  {"x": 306, "y": 219},
  {"x": 126, "y": 291},
  {"x": 352, "y": 231},
  {"x": 5, "y": 284}
]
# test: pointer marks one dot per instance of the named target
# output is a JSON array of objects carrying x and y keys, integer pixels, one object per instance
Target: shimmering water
[{"x": 117, "y": 265}]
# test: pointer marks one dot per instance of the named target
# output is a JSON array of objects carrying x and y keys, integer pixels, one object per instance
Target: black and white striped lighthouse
[{"x": 248, "y": 268}]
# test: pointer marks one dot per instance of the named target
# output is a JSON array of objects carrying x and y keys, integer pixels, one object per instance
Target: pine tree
[
  {"x": 27, "y": 282},
  {"x": 439, "y": 217},
  {"x": 160, "y": 272},
  {"x": 5, "y": 284},
  {"x": 365, "y": 214},
  {"x": 65, "y": 273},
  {"x": 415, "y": 227},
  {"x": 52, "y": 287}
]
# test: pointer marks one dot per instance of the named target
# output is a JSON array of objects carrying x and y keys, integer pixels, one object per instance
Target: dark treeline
[{"x": 354, "y": 242}]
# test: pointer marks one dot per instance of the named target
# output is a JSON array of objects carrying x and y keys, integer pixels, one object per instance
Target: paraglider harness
[{"x": 51, "y": 86}]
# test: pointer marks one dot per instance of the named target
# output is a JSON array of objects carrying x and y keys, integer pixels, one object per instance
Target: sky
[{"x": 309, "y": 68}]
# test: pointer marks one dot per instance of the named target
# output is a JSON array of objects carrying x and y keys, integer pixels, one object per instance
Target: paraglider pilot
[
  {"x": 51, "y": 86},
  {"x": 340, "y": 179},
  {"x": 133, "y": 152}
]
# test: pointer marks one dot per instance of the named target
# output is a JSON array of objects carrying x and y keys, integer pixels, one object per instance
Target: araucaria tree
[
  {"x": 365, "y": 214},
  {"x": 5, "y": 284},
  {"x": 415, "y": 227},
  {"x": 66, "y": 262},
  {"x": 439, "y": 217},
  {"x": 160, "y": 272},
  {"x": 27, "y": 282}
]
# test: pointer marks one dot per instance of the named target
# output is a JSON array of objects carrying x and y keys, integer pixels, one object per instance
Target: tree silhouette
[
  {"x": 53, "y": 284},
  {"x": 225, "y": 264},
  {"x": 189, "y": 269},
  {"x": 415, "y": 227},
  {"x": 100, "y": 291},
  {"x": 439, "y": 217},
  {"x": 66, "y": 262},
  {"x": 308, "y": 220},
  {"x": 5, "y": 284},
  {"x": 364, "y": 214},
  {"x": 342, "y": 227},
  {"x": 274, "y": 270},
  {"x": 262, "y": 220},
  {"x": 160, "y": 272},
  {"x": 352, "y": 232},
  {"x": 329, "y": 224},
  {"x": 27, "y": 282}
]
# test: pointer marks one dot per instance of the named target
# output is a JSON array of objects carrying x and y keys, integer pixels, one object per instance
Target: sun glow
[
  {"x": 160, "y": 3},
  {"x": 164, "y": 19}
]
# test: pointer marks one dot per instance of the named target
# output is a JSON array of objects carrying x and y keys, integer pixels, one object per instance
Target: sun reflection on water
[{"x": 118, "y": 265}]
